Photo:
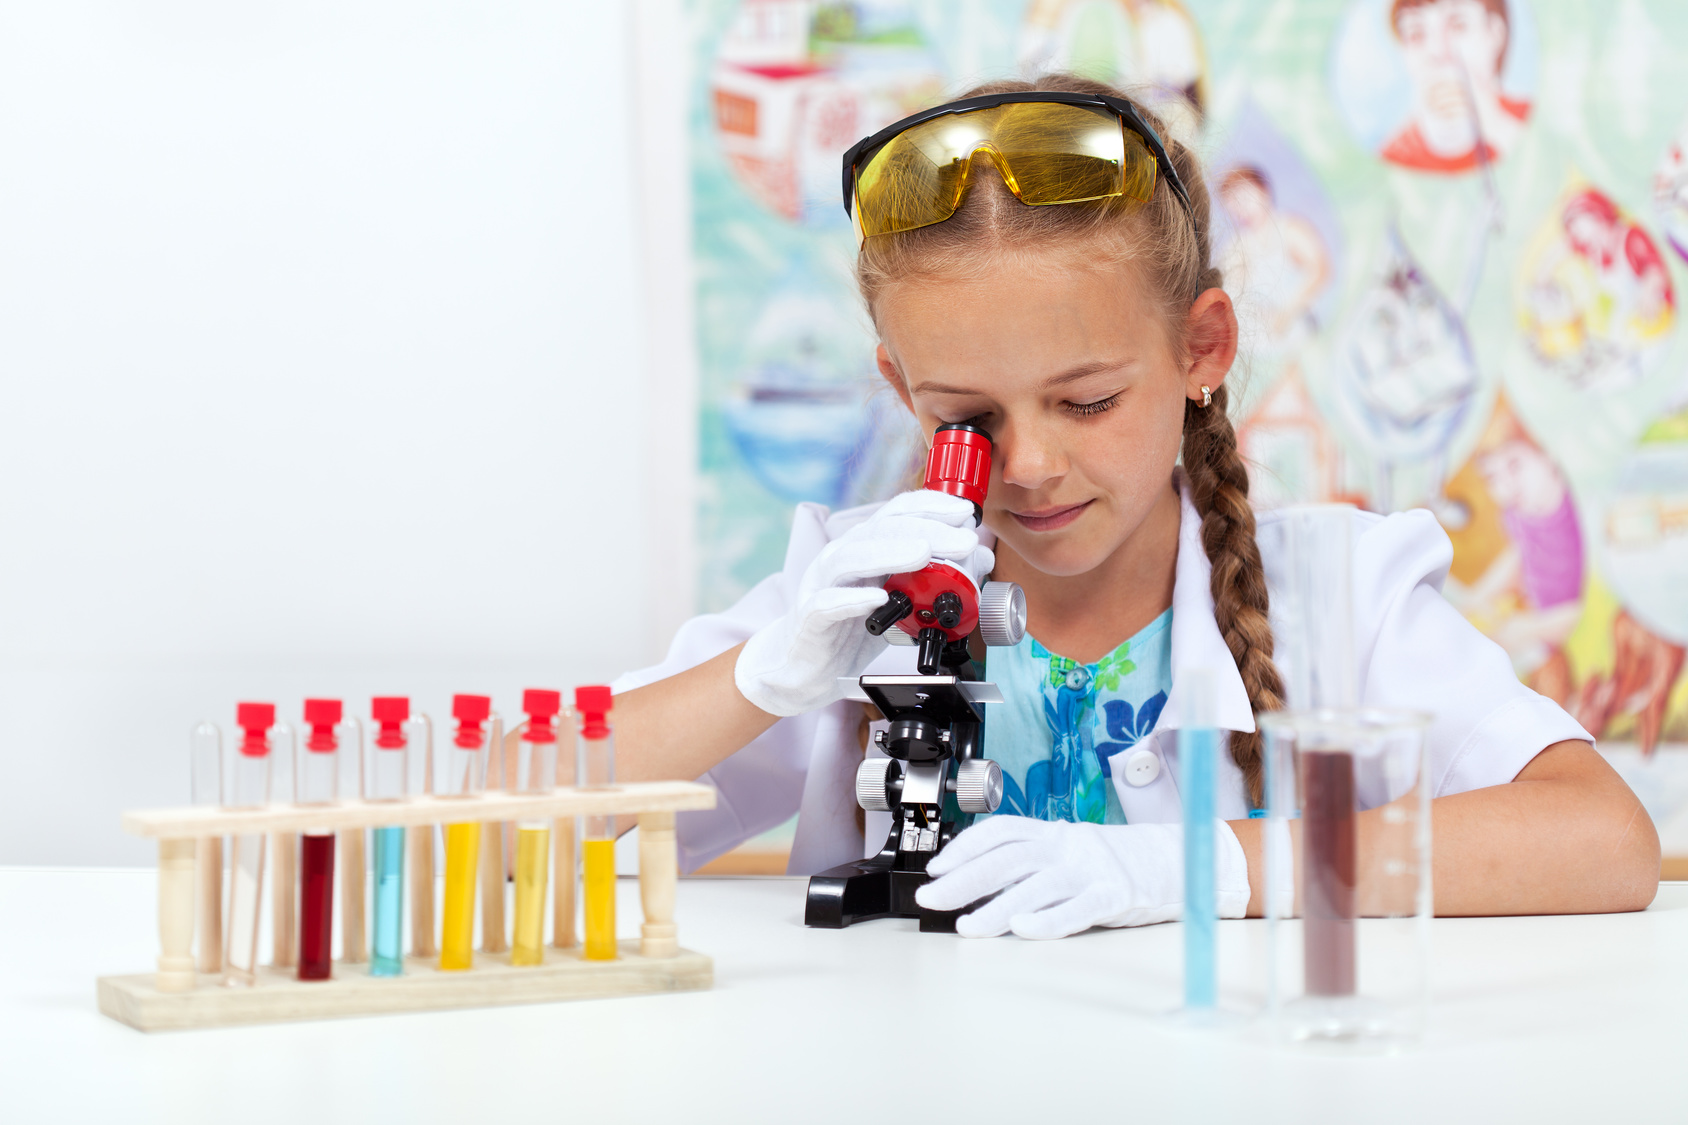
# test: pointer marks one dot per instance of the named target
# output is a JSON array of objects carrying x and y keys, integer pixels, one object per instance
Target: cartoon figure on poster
[
  {"x": 796, "y": 82},
  {"x": 1594, "y": 297},
  {"x": 811, "y": 403},
  {"x": 1405, "y": 376},
  {"x": 1439, "y": 86},
  {"x": 1646, "y": 530},
  {"x": 1519, "y": 525},
  {"x": 1152, "y": 47},
  {"x": 1670, "y": 192},
  {"x": 1276, "y": 242}
]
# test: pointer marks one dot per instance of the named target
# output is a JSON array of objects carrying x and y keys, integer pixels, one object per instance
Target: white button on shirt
[
  {"x": 1141, "y": 767},
  {"x": 1413, "y": 649}
]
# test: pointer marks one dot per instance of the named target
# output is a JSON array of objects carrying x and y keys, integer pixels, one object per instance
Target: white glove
[
  {"x": 1059, "y": 878},
  {"x": 793, "y": 665}
]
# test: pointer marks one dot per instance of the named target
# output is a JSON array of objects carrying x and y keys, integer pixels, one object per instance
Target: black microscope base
[{"x": 871, "y": 888}]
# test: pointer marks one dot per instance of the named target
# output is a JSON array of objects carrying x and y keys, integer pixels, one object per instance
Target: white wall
[{"x": 320, "y": 373}]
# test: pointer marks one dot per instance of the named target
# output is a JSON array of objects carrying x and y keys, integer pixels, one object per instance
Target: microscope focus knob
[
  {"x": 978, "y": 785},
  {"x": 873, "y": 790},
  {"x": 1002, "y": 614}
]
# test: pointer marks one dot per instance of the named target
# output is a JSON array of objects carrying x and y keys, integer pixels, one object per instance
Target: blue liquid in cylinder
[
  {"x": 1197, "y": 750},
  {"x": 387, "y": 957}
]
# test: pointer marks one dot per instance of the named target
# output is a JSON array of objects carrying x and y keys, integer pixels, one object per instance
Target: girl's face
[{"x": 1074, "y": 375}]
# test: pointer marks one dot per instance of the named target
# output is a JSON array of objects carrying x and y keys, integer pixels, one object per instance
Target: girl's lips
[{"x": 1049, "y": 519}]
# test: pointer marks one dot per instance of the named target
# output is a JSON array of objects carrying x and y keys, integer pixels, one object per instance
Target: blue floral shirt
[{"x": 1061, "y": 722}]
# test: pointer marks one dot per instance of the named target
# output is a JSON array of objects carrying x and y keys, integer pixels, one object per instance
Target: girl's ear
[
  {"x": 1211, "y": 332},
  {"x": 889, "y": 372}
]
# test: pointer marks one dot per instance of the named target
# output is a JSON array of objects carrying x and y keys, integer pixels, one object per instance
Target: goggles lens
[{"x": 1046, "y": 152}]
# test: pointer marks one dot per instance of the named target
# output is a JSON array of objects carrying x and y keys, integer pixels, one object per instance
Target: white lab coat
[{"x": 1414, "y": 651}]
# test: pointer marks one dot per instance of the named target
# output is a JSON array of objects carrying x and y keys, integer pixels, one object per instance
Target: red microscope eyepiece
[{"x": 960, "y": 464}]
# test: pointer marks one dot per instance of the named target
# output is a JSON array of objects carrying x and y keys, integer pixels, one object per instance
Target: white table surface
[{"x": 1535, "y": 1019}]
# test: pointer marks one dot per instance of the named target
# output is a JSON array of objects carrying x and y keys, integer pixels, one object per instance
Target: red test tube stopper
[
  {"x": 541, "y": 706},
  {"x": 470, "y": 711},
  {"x": 594, "y": 703},
  {"x": 255, "y": 721},
  {"x": 390, "y": 713},
  {"x": 322, "y": 716}
]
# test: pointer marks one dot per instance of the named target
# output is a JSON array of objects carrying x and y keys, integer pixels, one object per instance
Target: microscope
[{"x": 935, "y": 777}]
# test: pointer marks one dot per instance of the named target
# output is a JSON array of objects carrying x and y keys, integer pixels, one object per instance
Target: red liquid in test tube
[
  {"x": 318, "y": 783},
  {"x": 1329, "y": 872}
]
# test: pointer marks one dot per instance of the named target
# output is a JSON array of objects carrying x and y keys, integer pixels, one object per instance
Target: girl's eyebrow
[
  {"x": 1084, "y": 370},
  {"x": 1072, "y": 375}
]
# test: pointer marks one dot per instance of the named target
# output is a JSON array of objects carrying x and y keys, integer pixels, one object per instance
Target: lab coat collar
[{"x": 1196, "y": 641}]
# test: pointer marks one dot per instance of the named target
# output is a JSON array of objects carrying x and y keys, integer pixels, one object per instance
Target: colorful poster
[{"x": 1456, "y": 232}]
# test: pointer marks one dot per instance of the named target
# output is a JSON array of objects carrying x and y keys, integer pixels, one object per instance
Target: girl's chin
[{"x": 1060, "y": 560}]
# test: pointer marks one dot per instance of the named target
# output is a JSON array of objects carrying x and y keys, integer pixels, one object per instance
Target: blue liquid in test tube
[
  {"x": 387, "y": 957},
  {"x": 1196, "y": 752}
]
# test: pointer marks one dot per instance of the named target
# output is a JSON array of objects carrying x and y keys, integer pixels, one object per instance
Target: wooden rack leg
[
  {"x": 564, "y": 876},
  {"x": 421, "y": 843},
  {"x": 284, "y": 891},
  {"x": 208, "y": 903},
  {"x": 175, "y": 915},
  {"x": 659, "y": 869},
  {"x": 354, "y": 941},
  {"x": 494, "y": 931}
]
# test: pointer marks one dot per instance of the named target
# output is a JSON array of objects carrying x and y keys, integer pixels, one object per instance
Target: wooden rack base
[
  {"x": 190, "y": 872},
  {"x": 136, "y": 1000}
]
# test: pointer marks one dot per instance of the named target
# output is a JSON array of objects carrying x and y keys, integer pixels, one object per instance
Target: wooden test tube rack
[{"x": 179, "y": 996}]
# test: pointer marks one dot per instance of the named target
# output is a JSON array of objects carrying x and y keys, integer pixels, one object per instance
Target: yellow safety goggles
[{"x": 1049, "y": 147}]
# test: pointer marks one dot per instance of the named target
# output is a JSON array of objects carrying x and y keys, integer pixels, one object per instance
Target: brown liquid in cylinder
[{"x": 1328, "y": 871}]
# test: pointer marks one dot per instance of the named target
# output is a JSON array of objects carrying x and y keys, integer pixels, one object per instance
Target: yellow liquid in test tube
[
  {"x": 533, "y": 852},
  {"x": 462, "y": 854},
  {"x": 600, "y": 900}
]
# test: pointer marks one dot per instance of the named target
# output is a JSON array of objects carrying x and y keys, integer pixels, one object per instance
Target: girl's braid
[{"x": 1218, "y": 482}]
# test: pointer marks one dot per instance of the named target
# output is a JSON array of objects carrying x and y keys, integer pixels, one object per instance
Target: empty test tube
[
  {"x": 207, "y": 774},
  {"x": 464, "y": 776},
  {"x": 595, "y": 765},
  {"x": 283, "y": 857},
  {"x": 249, "y": 787},
  {"x": 350, "y": 843},
  {"x": 317, "y": 782},
  {"x": 388, "y": 779},
  {"x": 536, "y": 772}
]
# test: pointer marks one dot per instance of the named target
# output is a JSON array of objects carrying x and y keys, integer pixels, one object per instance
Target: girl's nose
[{"x": 1029, "y": 459}]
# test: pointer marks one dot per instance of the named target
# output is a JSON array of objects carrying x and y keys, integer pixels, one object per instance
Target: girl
[{"x": 1066, "y": 301}]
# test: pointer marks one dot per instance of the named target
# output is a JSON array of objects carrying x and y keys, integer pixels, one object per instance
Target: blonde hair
[{"x": 1169, "y": 251}]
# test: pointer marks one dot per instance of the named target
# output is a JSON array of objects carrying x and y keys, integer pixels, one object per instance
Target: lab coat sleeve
[
  {"x": 1417, "y": 652},
  {"x": 761, "y": 786}
]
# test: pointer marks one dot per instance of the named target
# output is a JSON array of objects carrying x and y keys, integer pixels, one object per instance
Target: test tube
[
  {"x": 420, "y": 840},
  {"x": 354, "y": 885},
  {"x": 388, "y": 778},
  {"x": 206, "y": 762},
  {"x": 595, "y": 766},
  {"x": 249, "y": 788},
  {"x": 536, "y": 772},
  {"x": 465, "y": 776},
  {"x": 317, "y": 782},
  {"x": 1198, "y": 742},
  {"x": 284, "y": 853}
]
